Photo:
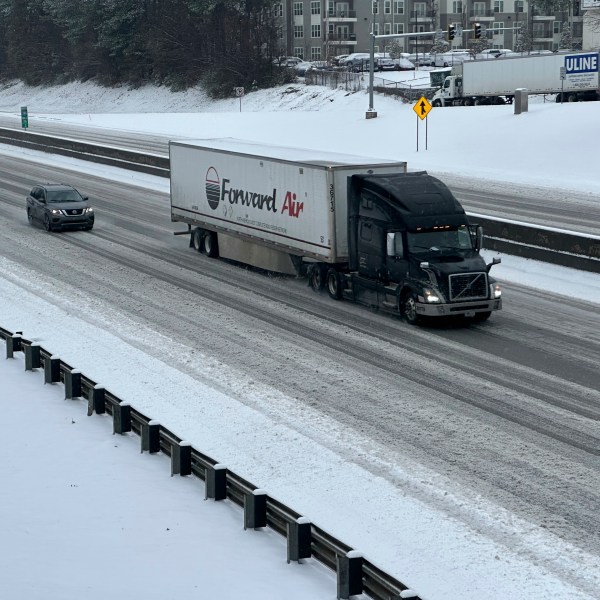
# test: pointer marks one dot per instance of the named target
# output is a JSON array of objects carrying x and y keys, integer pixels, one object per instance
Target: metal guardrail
[
  {"x": 554, "y": 246},
  {"x": 355, "y": 575}
]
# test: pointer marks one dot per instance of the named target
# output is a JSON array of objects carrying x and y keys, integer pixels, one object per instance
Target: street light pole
[{"x": 371, "y": 113}]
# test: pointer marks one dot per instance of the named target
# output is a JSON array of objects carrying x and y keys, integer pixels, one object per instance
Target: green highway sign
[{"x": 24, "y": 117}]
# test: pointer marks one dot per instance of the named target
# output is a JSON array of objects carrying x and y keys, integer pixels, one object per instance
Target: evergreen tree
[
  {"x": 524, "y": 41},
  {"x": 566, "y": 38}
]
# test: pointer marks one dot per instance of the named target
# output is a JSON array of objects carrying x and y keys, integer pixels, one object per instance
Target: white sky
[{"x": 461, "y": 544}]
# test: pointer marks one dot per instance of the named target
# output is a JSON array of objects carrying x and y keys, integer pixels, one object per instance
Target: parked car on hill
[
  {"x": 59, "y": 206},
  {"x": 394, "y": 64}
]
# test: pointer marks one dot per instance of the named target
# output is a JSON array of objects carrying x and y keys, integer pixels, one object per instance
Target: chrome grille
[
  {"x": 468, "y": 286},
  {"x": 74, "y": 211}
]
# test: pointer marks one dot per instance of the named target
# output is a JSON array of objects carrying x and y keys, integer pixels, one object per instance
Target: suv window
[{"x": 64, "y": 196}]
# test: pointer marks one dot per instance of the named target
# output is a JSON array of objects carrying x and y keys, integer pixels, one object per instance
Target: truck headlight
[
  {"x": 431, "y": 296},
  {"x": 56, "y": 211},
  {"x": 497, "y": 290}
]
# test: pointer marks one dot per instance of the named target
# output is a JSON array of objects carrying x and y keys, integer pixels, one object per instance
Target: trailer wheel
[
  {"x": 315, "y": 277},
  {"x": 211, "y": 244},
  {"x": 409, "y": 309},
  {"x": 334, "y": 284},
  {"x": 197, "y": 236}
]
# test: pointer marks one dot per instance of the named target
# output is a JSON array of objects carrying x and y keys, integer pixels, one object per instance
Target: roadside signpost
[
  {"x": 239, "y": 92},
  {"x": 24, "y": 117},
  {"x": 422, "y": 109}
]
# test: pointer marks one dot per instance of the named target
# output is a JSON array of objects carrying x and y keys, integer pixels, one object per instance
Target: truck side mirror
[
  {"x": 479, "y": 238},
  {"x": 394, "y": 245},
  {"x": 495, "y": 261}
]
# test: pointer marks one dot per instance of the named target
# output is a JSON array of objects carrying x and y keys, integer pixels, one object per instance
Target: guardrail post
[
  {"x": 299, "y": 539},
  {"x": 349, "y": 574},
  {"x": 216, "y": 482},
  {"x": 52, "y": 369},
  {"x": 32, "y": 357},
  {"x": 122, "y": 418},
  {"x": 181, "y": 459},
  {"x": 150, "y": 437},
  {"x": 13, "y": 344},
  {"x": 72, "y": 384},
  {"x": 97, "y": 400},
  {"x": 255, "y": 509}
]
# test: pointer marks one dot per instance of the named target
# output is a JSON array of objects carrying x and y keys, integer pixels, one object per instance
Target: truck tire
[
  {"x": 468, "y": 102},
  {"x": 316, "y": 280},
  {"x": 197, "y": 241},
  {"x": 210, "y": 244},
  {"x": 437, "y": 103},
  {"x": 409, "y": 309},
  {"x": 334, "y": 284}
]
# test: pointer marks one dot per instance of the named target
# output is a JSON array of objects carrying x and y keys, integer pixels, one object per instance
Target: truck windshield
[{"x": 430, "y": 240}]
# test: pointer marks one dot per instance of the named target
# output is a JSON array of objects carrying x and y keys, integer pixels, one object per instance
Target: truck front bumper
[{"x": 466, "y": 309}]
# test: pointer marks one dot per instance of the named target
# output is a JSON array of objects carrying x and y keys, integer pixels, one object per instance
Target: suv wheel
[{"x": 47, "y": 224}]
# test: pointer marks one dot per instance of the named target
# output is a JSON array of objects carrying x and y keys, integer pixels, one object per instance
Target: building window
[
  {"x": 420, "y": 9},
  {"x": 315, "y": 53},
  {"x": 387, "y": 7},
  {"x": 376, "y": 28},
  {"x": 399, "y": 7},
  {"x": 387, "y": 29},
  {"x": 315, "y": 8},
  {"x": 298, "y": 9},
  {"x": 556, "y": 27},
  {"x": 479, "y": 9},
  {"x": 519, "y": 6},
  {"x": 498, "y": 6},
  {"x": 299, "y": 52},
  {"x": 497, "y": 27},
  {"x": 278, "y": 10},
  {"x": 375, "y": 7},
  {"x": 398, "y": 28},
  {"x": 457, "y": 7},
  {"x": 538, "y": 30},
  {"x": 315, "y": 31},
  {"x": 298, "y": 31}
]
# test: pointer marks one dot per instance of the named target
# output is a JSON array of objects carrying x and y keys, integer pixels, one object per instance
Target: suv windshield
[
  {"x": 440, "y": 239},
  {"x": 63, "y": 196}
]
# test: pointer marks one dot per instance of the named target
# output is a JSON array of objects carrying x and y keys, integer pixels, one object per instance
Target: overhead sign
[{"x": 422, "y": 107}]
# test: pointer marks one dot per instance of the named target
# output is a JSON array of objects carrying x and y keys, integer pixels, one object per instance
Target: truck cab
[{"x": 413, "y": 251}]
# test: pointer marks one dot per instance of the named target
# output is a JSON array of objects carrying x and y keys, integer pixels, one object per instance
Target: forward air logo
[
  {"x": 290, "y": 205},
  {"x": 213, "y": 191},
  {"x": 218, "y": 189},
  {"x": 581, "y": 63}
]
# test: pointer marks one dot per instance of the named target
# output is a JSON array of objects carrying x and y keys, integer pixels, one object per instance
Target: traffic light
[
  {"x": 451, "y": 32},
  {"x": 477, "y": 30}
]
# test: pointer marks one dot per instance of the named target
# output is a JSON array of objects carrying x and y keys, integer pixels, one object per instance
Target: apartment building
[{"x": 321, "y": 29}]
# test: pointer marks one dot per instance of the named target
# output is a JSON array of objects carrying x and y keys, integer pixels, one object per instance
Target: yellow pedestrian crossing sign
[{"x": 422, "y": 107}]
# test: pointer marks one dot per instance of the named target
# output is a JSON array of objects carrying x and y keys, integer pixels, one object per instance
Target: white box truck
[
  {"x": 572, "y": 76},
  {"x": 363, "y": 228}
]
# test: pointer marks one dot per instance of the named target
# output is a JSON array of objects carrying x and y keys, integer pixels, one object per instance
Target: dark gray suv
[{"x": 59, "y": 206}]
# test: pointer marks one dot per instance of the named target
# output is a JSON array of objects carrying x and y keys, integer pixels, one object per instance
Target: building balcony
[
  {"x": 341, "y": 16},
  {"x": 544, "y": 18},
  {"x": 342, "y": 40},
  {"x": 481, "y": 15}
]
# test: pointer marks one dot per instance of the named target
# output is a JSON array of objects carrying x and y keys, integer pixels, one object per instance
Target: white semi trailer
[{"x": 572, "y": 76}]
